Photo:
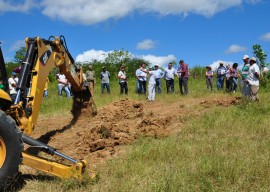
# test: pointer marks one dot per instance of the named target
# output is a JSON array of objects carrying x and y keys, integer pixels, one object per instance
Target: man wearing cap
[
  {"x": 209, "y": 76},
  {"x": 220, "y": 76},
  {"x": 159, "y": 75},
  {"x": 244, "y": 73},
  {"x": 123, "y": 80},
  {"x": 151, "y": 83},
  {"x": 62, "y": 84},
  {"x": 12, "y": 86},
  {"x": 105, "y": 80},
  {"x": 253, "y": 79}
]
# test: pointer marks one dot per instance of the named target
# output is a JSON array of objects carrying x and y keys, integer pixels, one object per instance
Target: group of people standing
[
  {"x": 249, "y": 75},
  {"x": 182, "y": 73},
  {"x": 89, "y": 78},
  {"x": 155, "y": 76}
]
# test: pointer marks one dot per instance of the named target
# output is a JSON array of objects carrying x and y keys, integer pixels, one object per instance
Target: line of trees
[{"x": 117, "y": 58}]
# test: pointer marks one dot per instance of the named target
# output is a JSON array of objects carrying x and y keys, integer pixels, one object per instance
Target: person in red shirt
[{"x": 183, "y": 77}]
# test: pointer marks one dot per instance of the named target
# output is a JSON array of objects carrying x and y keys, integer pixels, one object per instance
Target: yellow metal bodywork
[
  {"x": 57, "y": 56},
  {"x": 3, "y": 152},
  {"x": 4, "y": 95},
  {"x": 54, "y": 168}
]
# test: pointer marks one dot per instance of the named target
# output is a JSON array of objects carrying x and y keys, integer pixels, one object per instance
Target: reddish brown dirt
[{"x": 99, "y": 138}]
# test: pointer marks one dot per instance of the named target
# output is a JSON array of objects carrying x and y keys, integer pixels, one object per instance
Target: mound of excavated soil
[{"x": 97, "y": 138}]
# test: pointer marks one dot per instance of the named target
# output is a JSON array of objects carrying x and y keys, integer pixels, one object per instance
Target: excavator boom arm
[{"x": 41, "y": 56}]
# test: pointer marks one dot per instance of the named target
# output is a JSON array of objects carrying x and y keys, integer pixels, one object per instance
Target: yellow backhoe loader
[{"x": 18, "y": 118}]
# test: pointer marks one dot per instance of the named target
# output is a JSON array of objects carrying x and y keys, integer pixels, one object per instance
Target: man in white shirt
[
  {"x": 151, "y": 83},
  {"x": 62, "y": 84},
  {"x": 253, "y": 79},
  {"x": 123, "y": 80},
  {"x": 159, "y": 75},
  {"x": 142, "y": 80},
  {"x": 12, "y": 86},
  {"x": 169, "y": 74}
]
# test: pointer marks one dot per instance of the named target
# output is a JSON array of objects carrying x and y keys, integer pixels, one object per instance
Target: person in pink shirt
[
  {"x": 209, "y": 77},
  {"x": 234, "y": 78}
]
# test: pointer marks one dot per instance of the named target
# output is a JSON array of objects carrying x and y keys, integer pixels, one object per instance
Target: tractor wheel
[{"x": 10, "y": 150}]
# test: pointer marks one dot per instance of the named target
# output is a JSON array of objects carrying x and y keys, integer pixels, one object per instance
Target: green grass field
[{"x": 227, "y": 149}]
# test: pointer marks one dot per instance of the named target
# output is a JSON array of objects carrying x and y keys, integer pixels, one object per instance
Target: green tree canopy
[
  {"x": 260, "y": 54},
  {"x": 20, "y": 54}
]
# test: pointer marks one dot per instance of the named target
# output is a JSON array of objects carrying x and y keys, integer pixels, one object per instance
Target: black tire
[{"x": 10, "y": 150}]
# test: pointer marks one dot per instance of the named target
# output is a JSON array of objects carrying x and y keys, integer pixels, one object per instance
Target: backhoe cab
[{"x": 18, "y": 119}]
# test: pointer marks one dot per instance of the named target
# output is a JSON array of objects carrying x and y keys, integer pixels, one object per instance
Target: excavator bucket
[{"x": 84, "y": 101}]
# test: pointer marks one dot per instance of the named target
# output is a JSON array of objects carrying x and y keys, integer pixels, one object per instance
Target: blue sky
[{"x": 201, "y": 32}]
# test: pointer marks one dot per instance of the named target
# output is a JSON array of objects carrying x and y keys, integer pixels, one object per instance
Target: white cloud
[
  {"x": 94, "y": 11},
  {"x": 253, "y": 1},
  {"x": 91, "y": 55},
  {"x": 235, "y": 49},
  {"x": 89, "y": 12},
  {"x": 201, "y": 7},
  {"x": 265, "y": 37},
  {"x": 215, "y": 64},
  {"x": 17, "y": 45},
  {"x": 161, "y": 61},
  {"x": 13, "y": 6},
  {"x": 100, "y": 55},
  {"x": 146, "y": 44}
]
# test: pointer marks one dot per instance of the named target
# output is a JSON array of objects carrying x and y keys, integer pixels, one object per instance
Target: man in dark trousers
[
  {"x": 105, "y": 80},
  {"x": 183, "y": 77}
]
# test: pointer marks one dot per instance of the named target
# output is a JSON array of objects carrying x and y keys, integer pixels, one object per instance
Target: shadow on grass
[
  {"x": 18, "y": 183},
  {"x": 78, "y": 106}
]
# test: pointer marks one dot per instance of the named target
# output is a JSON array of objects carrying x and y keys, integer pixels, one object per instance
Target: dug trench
[{"x": 104, "y": 136}]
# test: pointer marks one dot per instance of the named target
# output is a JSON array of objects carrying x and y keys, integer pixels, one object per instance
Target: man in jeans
[
  {"x": 12, "y": 86},
  {"x": 62, "y": 84},
  {"x": 142, "y": 80},
  {"x": 159, "y": 75},
  {"x": 105, "y": 80},
  {"x": 169, "y": 74},
  {"x": 220, "y": 76},
  {"x": 123, "y": 80}
]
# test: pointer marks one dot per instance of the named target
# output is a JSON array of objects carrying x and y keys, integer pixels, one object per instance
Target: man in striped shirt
[{"x": 244, "y": 73}]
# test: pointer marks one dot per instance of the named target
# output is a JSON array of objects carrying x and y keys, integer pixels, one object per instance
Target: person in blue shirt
[
  {"x": 137, "y": 73},
  {"x": 159, "y": 75},
  {"x": 220, "y": 76}
]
